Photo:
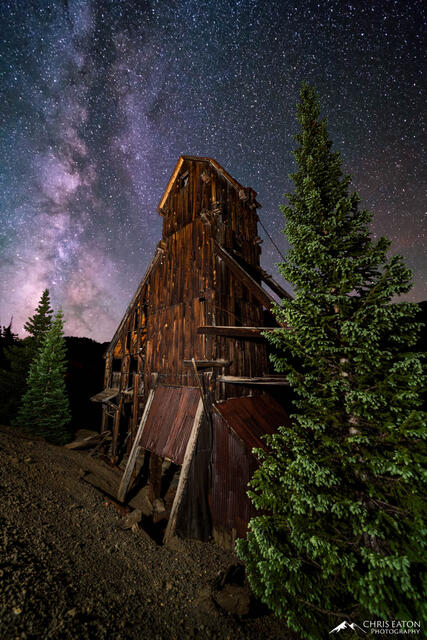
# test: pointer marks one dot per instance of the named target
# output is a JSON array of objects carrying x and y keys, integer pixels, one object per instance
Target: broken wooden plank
[
  {"x": 207, "y": 364},
  {"x": 255, "y": 289},
  {"x": 183, "y": 476},
  {"x": 88, "y": 442},
  {"x": 235, "y": 332},
  {"x": 136, "y": 448},
  {"x": 106, "y": 394},
  {"x": 264, "y": 380}
]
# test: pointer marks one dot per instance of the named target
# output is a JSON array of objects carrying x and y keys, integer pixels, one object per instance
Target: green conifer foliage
[
  {"x": 13, "y": 378},
  {"x": 38, "y": 324},
  {"x": 342, "y": 533},
  {"x": 45, "y": 408}
]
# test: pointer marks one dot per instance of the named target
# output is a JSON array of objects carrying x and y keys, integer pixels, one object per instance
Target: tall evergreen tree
[
  {"x": 19, "y": 356},
  {"x": 342, "y": 533},
  {"x": 45, "y": 407},
  {"x": 39, "y": 323}
]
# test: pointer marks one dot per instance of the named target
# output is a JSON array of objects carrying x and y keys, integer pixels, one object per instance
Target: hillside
[{"x": 69, "y": 571}]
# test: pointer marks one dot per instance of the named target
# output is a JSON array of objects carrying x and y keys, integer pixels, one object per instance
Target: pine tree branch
[{"x": 340, "y": 614}]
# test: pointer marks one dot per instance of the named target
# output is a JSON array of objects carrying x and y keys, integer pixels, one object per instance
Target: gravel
[{"x": 68, "y": 570}]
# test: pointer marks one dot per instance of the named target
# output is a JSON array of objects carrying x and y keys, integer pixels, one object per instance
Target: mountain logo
[{"x": 347, "y": 625}]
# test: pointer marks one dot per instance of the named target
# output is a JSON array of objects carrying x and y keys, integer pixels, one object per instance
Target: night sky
[{"x": 100, "y": 97}]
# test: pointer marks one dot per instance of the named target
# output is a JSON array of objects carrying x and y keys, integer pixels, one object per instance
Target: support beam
[
  {"x": 208, "y": 364},
  {"x": 272, "y": 381},
  {"x": 117, "y": 414},
  {"x": 235, "y": 332},
  {"x": 185, "y": 469},
  {"x": 135, "y": 404},
  {"x": 136, "y": 448},
  {"x": 255, "y": 289},
  {"x": 274, "y": 286}
]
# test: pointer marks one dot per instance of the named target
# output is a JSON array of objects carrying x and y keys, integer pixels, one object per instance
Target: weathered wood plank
[
  {"x": 235, "y": 332},
  {"x": 208, "y": 364},
  {"x": 189, "y": 452},
  {"x": 255, "y": 289},
  {"x": 274, "y": 286},
  {"x": 136, "y": 448},
  {"x": 116, "y": 426},
  {"x": 278, "y": 381}
]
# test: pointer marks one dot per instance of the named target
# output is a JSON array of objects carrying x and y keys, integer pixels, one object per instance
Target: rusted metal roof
[
  {"x": 169, "y": 422},
  {"x": 253, "y": 417}
]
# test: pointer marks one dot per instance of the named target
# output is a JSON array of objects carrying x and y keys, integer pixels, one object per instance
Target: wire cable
[{"x": 271, "y": 239}]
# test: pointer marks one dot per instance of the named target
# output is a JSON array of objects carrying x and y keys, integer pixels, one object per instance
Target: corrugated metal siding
[
  {"x": 252, "y": 418},
  {"x": 232, "y": 468},
  {"x": 169, "y": 422},
  {"x": 238, "y": 425}
]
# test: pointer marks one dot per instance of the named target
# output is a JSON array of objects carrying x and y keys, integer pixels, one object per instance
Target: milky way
[{"x": 101, "y": 97}]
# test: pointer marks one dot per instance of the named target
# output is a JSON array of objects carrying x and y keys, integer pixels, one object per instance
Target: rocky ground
[{"x": 69, "y": 570}]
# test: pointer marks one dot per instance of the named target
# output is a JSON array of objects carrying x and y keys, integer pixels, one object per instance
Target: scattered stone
[
  {"x": 233, "y": 599},
  {"x": 131, "y": 519},
  {"x": 142, "y": 501},
  {"x": 159, "y": 505}
]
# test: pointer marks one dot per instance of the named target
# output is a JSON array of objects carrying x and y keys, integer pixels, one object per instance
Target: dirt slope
[{"x": 67, "y": 571}]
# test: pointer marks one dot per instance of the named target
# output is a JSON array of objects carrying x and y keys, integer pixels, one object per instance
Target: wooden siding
[{"x": 188, "y": 285}]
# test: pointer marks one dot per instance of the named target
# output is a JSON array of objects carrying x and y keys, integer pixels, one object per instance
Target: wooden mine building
[{"x": 187, "y": 372}]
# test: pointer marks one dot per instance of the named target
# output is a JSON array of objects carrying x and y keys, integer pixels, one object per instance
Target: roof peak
[{"x": 216, "y": 165}]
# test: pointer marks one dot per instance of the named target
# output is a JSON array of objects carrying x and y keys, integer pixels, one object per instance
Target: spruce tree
[
  {"x": 45, "y": 409},
  {"x": 341, "y": 532},
  {"x": 38, "y": 324},
  {"x": 19, "y": 356}
]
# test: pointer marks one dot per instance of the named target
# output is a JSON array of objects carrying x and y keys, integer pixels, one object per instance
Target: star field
[{"x": 100, "y": 97}]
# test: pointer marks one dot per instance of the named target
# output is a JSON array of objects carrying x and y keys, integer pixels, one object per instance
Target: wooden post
[
  {"x": 202, "y": 395},
  {"x": 183, "y": 477},
  {"x": 104, "y": 418},
  {"x": 135, "y": 403},
  {"x": 117, "y": 414},
  {"x": 136, "y": 448}
]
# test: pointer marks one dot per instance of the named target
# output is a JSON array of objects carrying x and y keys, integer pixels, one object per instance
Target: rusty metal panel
[
  {"x": 232, "y": 468},
  {"x": 169, "y": 422},
  {"x": 252, "y": 418},
  {"x": 238, "y": 426}
]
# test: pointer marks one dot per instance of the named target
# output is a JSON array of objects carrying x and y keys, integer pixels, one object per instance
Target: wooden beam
[
  {"x": 208, "y": 364},
  {"x": 235, "y": 332},
  {"x": 255, "y": 289},
  {"x": 274, "y": 286},
  {"x": 276, "y": 381},
  {"x": 170, "y": 183},
  {"x": 135, "y": 404},
  {"x": 136, "y": 448},
  {"x": 185, "y": 469},
  {"x": 116, "y": 426}
]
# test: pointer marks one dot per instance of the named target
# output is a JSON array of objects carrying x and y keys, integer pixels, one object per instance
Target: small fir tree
[
  {"x": 19, "y": 356},
  {"x": 342, "y": 533},
  {"x": 39, "y": 323},
  {"x": 45, "y": 408}
]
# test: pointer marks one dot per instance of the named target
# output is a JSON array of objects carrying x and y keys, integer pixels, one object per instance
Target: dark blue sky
[{"x": 100, "y": 97}]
